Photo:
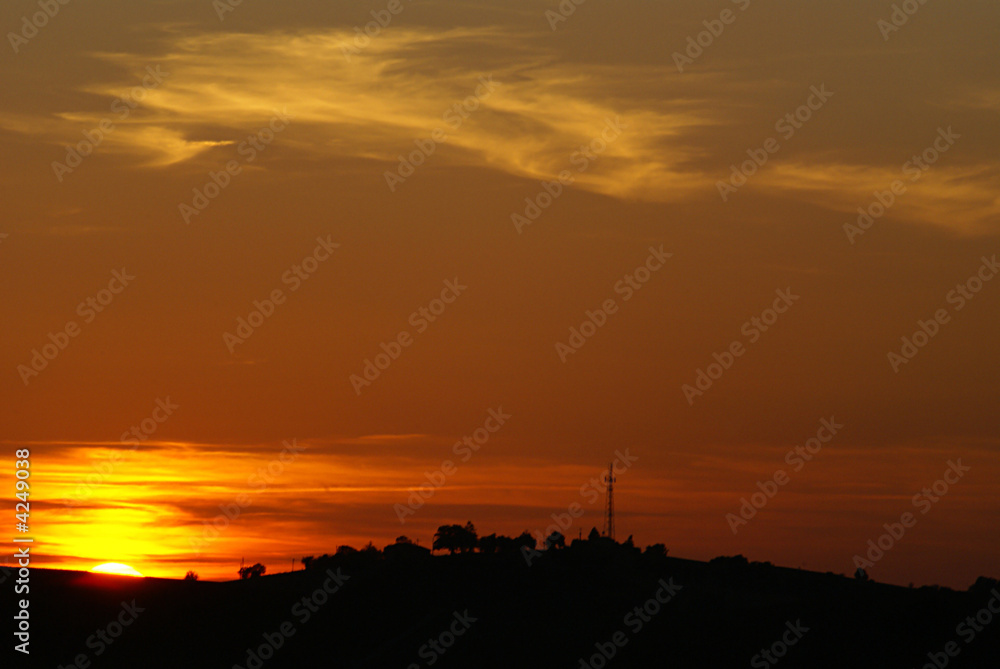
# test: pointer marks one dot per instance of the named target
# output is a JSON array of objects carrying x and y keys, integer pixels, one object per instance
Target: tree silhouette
[
  {"x": 525, "y": 541},
  {"x": 253, "y": 571},
  {"x": 190, "y": 576},
  {"x": 471, "y": 530},
  {"x": 983, "y": 585},
  {"x": 491, "y": 543},
  {"x": 594, "y": 534},
  {"x": 555, "y": 540},
  {"x": 454, "y": 538}
]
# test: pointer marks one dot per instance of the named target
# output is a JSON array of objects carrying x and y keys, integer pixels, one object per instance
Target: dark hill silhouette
[{"x": 387, "y": 605}]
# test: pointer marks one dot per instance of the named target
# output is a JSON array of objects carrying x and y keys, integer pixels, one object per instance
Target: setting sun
[{"x": 116, "y": 568}]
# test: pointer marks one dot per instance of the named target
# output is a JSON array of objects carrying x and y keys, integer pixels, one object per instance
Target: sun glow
[{"x": 116, "y": 568}]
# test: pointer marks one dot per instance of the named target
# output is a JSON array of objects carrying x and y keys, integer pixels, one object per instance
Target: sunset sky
[{"x": 304, "y": 126}]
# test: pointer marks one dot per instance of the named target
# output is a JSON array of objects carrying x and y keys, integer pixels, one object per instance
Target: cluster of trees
[
  {"x": 454, "y": 539},
  {"x": 464, "y": 539},
  {"x": 342, "y": 553}
]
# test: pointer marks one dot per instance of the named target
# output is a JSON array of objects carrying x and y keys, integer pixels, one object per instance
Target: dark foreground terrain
[{"x": 495, "y": 611}]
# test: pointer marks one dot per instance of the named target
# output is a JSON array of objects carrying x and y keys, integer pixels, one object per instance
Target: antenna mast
[{"x": 609, "y": 512}]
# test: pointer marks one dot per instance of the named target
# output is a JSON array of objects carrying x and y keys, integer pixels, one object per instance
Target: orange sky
[{"x": 303, "y": 133}]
